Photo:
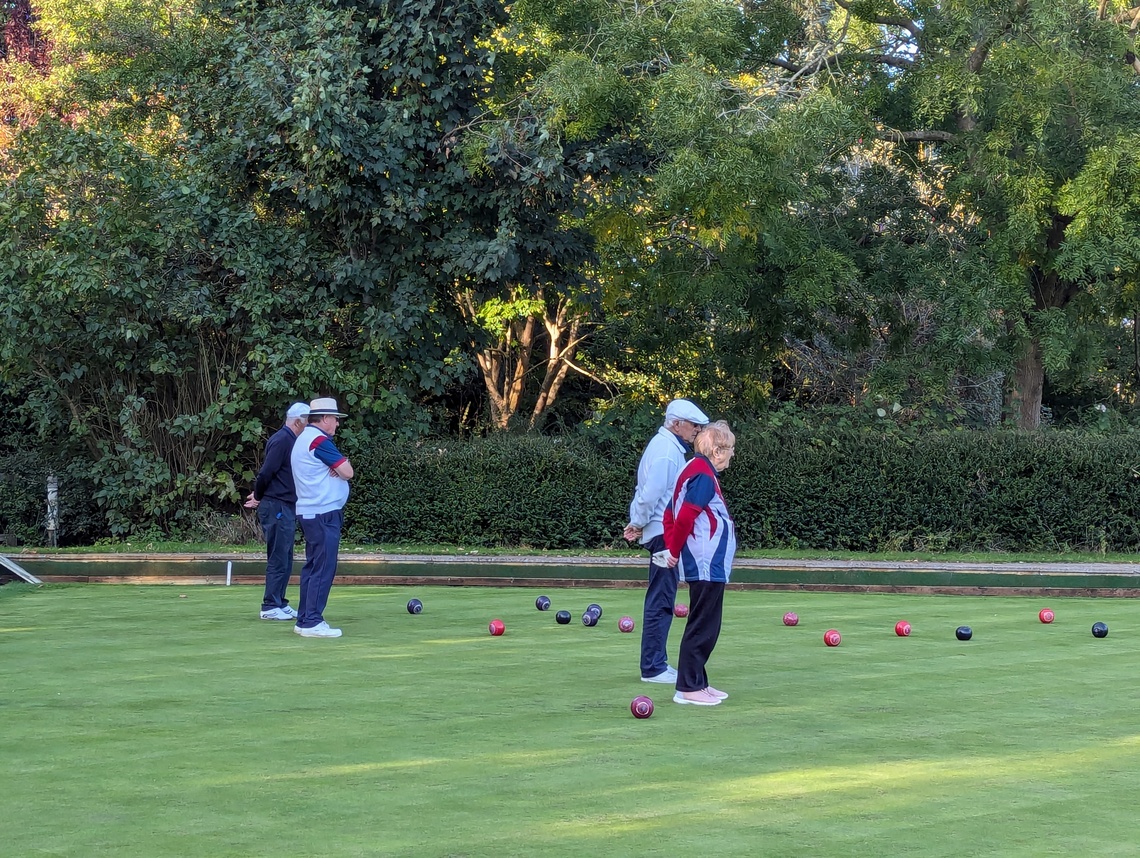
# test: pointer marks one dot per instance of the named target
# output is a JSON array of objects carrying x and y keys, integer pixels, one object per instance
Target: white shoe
[
  {"x": 666, "y": 677},
  {"x": 285, "y": 613},
  {"x": 699, "y": 698},
  {"x": 320, "y": 630}
]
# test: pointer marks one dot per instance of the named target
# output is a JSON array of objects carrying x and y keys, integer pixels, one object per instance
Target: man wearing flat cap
[
  {"x": 321, "y": 473},
  {"x": 274, "y": 496},
  {"x": 663, "y": 459}
]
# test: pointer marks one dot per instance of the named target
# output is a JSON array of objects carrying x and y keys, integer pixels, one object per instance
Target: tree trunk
[
  {"x": 1023, "y": 395},
  {"x": 1049, "y": 291},
  {"x": 562, "y": 342}
]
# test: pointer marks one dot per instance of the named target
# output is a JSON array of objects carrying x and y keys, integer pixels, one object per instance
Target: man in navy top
[{"x": 274, "y": 496}]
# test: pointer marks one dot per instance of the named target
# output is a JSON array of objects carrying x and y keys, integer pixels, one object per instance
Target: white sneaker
[
  {"x": 320, "y": 630},
  {"x": 285, "y": 613},
  {"x": 666, "y": 677},
  {"x": 285, "y": 609},
  {"x": 698, "y": 698}
]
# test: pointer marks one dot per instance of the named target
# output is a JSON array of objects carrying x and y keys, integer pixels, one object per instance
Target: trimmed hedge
[
  {"x": 528, "y": 491},
  {"x": 789, "y": 488},
  {"x": 1001, "y": 491}
]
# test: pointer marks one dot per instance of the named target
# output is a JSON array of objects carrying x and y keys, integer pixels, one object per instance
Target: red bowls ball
[{"x": 641, "y": 707}]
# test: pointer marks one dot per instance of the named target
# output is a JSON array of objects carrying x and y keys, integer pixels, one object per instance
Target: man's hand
[
  {"x": 631, "y": 533},
  {"x": 251, "y": 502}
]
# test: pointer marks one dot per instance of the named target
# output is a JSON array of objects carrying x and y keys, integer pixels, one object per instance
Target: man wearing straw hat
[{"x": 321, "y": 473}]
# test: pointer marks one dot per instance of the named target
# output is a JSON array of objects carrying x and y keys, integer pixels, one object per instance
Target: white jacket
[{"x": 656, "y": 475}]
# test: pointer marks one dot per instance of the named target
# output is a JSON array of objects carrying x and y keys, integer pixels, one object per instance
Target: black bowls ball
[
  {"x": 963, "y": 633},
  {"x": 563, "y": 617},
  {"x": 1100, "y": 630}
]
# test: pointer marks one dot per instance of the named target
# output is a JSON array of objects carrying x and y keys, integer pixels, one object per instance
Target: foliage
[
  {"x": 132, "y": 316},
  {"x": 852, "y": 199},
  {"x": 1026, "y": 111},
  {"x": 25, "y": 57},
  {"x": 348, "y": 117},
  {"x": 217, "y": 206},
  {"x": 23, "y": 499},
  {"x": 262, "y": 202},
  {"x": 713, "y": 170}
]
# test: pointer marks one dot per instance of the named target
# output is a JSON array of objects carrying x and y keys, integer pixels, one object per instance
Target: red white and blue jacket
[{"x": 698, "y": 527}]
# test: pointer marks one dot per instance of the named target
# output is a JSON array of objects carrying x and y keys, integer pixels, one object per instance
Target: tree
[
  {"x": 133, "y": 298},
  {"x": 528, "y": 200},
  {"x": 1030, "y": 111},
  {"x": 259, "y": 200},
  {"x": 708, "y": 170},
  {"x": 437, "y": 212},
  {"x": 984, "y": 130}
]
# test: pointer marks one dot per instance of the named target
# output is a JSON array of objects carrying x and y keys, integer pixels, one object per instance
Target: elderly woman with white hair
[{"x": 700, "y": 536}]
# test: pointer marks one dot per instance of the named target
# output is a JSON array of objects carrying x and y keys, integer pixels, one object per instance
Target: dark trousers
[
  {"x": 279, "y": 525},
  {"x": 322, "y": 543},
  {"x": 658, "y": 615},
  {"x": 706, "y": 605}
]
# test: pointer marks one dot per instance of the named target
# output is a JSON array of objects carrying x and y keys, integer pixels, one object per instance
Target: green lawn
[{"x": 140, "y": 723}]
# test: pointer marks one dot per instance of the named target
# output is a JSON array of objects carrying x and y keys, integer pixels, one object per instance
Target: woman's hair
[{"x": 715, "y": 436}]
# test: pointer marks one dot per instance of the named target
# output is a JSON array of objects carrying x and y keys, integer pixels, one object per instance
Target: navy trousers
[
  {"x": 279, "y": 525},
  {"x": 658, "y": 615},
  {"x": 322, "y": 544},
  {"x": 706, "y": 605}
]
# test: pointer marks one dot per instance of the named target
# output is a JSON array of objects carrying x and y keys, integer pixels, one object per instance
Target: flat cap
[{"x": 683, "y": 409}]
